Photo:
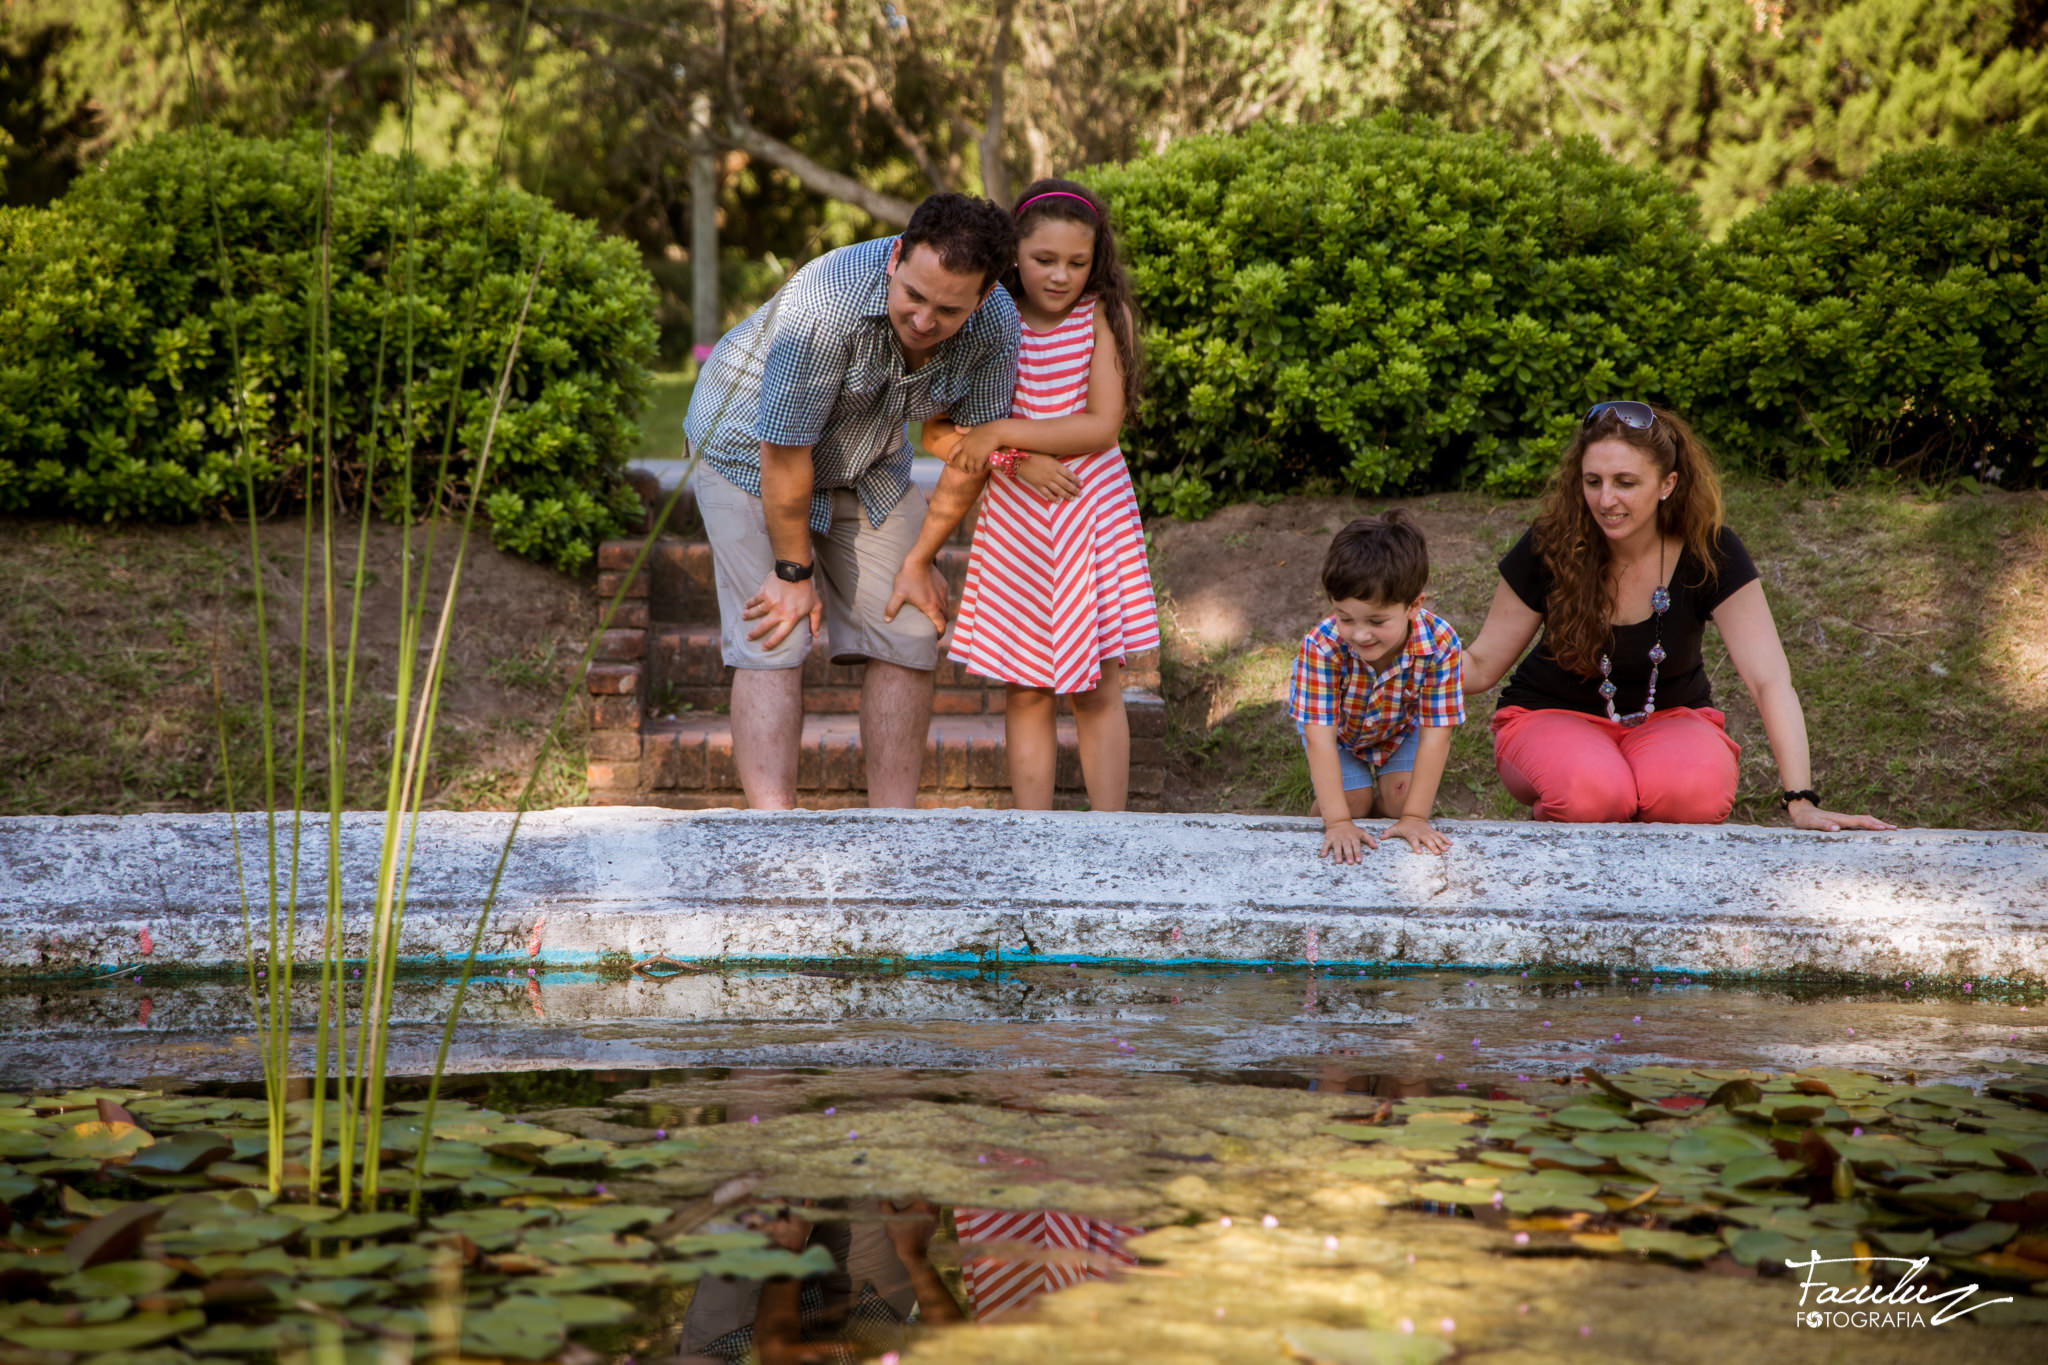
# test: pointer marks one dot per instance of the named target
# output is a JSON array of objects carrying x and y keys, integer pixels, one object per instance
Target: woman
[{"x": 1611, "y": 717}]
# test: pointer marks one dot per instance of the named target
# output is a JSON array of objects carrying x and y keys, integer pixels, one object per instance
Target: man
[{"x": 806, "y": 494}]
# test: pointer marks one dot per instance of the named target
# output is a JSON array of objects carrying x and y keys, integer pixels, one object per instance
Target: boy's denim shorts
[{"x": 1357, "y": 772}]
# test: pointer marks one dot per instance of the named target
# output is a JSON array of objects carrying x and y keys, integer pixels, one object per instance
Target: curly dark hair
[
  {"x": 968, "y": 234},
  {"x": 1572, "y": 547},
  {"x": 1107, "y": 278}
]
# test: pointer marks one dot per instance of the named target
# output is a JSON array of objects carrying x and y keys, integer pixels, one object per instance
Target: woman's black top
[{"x": 1543, "y": 684}]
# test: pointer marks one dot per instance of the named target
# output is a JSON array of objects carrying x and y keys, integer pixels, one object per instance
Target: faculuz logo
[{"x": 1900, "y": 1304}]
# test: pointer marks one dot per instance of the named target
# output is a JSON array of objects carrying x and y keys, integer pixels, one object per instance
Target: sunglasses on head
[{"x": 1630, "y": 414}]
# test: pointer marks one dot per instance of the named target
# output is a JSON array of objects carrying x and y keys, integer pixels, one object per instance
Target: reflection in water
[
  {"x": 1023, "y": 1255},
  {"x": 889, "y": 1265}
]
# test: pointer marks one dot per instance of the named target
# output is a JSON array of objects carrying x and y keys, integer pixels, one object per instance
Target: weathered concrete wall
[{"x": 949, "y": 885}]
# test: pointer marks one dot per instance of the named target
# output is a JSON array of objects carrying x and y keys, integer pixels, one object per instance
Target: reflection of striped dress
[
  {"x": 1055, "y": 588},
  {"x": 1034, "y": 1252}
]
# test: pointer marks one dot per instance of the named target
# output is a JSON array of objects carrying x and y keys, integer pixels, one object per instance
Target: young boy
[{"x": 1376, "y": 688}]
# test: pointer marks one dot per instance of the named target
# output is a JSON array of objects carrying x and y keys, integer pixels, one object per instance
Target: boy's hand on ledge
[
  {"x": 1422, "y": 836},
  {"x": 1343, "y": 840}
]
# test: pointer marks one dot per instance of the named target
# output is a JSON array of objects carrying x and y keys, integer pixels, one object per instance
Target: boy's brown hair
[{"x": 1378, "y": 559}]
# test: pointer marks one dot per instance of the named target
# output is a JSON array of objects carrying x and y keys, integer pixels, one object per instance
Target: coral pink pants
[{"x": 1677, "y": 767}]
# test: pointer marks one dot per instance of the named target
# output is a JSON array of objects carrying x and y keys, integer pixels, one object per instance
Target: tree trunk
[
  {"x": 704, "y": 311},
  {"x": 995, "y": 177}
]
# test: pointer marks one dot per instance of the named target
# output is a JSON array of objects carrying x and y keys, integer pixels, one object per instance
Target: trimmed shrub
[
  {"x": 1385, "y": 305},
  {"x": 117, "y": 342},
  {"x": 1899, "y": 320}
]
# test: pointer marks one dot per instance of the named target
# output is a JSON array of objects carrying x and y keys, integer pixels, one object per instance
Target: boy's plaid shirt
[
  {"x": 1373, "y": 712},
  {"x": 819, "y": 365}
]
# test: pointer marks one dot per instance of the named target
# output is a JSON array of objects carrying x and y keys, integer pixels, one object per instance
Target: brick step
[{"x": 690, "y": 756}]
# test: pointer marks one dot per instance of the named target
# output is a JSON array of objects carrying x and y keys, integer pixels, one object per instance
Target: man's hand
[
  {"x": 1422, "y": 836},
  {"x": 919, "y": 583},
  {"x": 1048, "y": 478},
  {"x": 778, "y": 606},
  {"x": 1343, "y": 840}
]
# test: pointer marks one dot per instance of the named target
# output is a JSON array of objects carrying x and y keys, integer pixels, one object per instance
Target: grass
[
  {"x": 109, "y": 637},
  {"x": 661, "y": 423},
  {"x": 1910, "y": 622}
]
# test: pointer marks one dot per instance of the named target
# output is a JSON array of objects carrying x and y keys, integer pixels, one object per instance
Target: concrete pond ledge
[{"x": 619, "y": 885}]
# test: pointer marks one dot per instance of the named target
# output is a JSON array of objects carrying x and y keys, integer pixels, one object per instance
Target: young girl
[{"x": 1057, "y": 589}]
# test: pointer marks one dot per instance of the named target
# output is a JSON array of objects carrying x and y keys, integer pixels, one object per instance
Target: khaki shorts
[{"x": 857, "y": 566}]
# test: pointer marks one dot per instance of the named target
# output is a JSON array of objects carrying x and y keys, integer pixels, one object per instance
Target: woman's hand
[
  {"x": 1048, "y": 478},
  {"x": 1806, "y": 815}
]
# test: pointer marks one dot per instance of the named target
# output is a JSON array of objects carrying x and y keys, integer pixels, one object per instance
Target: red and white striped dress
[
  {"x": 1055, "y": 588},
  {"x": 1032, "y": 1253}
]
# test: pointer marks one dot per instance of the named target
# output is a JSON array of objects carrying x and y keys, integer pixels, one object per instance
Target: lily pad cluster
[
  {"x": 139, "y": 1228},
  {"x": 1689, "y": 1165}
]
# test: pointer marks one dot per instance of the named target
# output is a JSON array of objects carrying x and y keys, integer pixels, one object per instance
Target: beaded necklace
[{"x": 1660, "y": 602}]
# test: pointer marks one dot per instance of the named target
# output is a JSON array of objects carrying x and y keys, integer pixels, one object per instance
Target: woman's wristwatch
[{"x": 1786, "y": 798}]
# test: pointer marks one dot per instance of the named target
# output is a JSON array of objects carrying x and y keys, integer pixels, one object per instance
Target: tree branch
[{"x": 885, "y": 208}]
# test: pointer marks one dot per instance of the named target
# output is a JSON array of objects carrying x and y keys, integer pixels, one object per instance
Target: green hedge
[
  {"x": 1900, "y": 320},
  {"x": 117, "y": 373},
  {"x": 1383, "y": 304}
]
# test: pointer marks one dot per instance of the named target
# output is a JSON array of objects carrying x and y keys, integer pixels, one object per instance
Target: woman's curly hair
[{"x": 1577, "y": 613}]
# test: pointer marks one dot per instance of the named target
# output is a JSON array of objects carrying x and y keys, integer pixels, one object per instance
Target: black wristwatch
[
  {"x": 1787, "y": 797},
  {"x": 789, "y": 571}
]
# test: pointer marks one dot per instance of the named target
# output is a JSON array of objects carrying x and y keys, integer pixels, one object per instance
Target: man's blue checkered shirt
[{"x": 819, "y": 365}]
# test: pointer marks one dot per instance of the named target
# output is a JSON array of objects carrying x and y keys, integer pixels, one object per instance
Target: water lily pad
[
  {"x": 1761, "y": 1246},
  {"x": 1620, "y": 1144},
  {"x": 587, "y": 1152},
  {"x": 143, "y": 1329},
  {"x": 1677, "y": 1246},
  {"x": 1363, "y": 1346},
  {"x": 178, "y": 1153},
  {"x": 1443, "y": 1192},
  {"x": 339, "y": 1292},
  {"x": 753, "y": 1263},
  {"x": 133, "y": 1278},
  {"x": 1716, "y": 1145},
  {"x": 1373, "y": 1167},
  {"x": 520, "y": 1328},
  {"x": 97, "y": 1141},
  {"x": 15, "y": 1143},
  {"x": 109, "y": 1309},
  {"x": 1986, "y": 1236},
  {"x": 574, "y": 1248},
  {"x": 1587, "y": 1118},
  {"x": 590, "y": 1310},
  {"x": 261, "y": 1338},
  {"x": 618, "y": 1217},
  {"x": 360, "y": 1225},
  {"x": 1758, "y": 1169}
]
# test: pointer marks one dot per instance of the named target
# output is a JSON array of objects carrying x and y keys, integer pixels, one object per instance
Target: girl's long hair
[
  {"x": 1575, "y": 551},
  {"x": 1107, "y": 279}
]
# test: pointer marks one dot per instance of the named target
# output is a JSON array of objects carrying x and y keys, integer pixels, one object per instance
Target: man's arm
[
  {"x": 787, "y": 481},
  {"x": 919, "y": 581}
]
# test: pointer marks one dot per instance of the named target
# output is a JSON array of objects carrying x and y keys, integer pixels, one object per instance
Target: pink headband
[{"x": 1056, "y": 194}]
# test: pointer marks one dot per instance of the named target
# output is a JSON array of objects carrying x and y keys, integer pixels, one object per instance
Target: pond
[{"x": 1062, "y": 1163}]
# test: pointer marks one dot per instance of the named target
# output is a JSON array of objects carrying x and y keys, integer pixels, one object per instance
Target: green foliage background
[
  {"x": 117, "y": 337},
  {"x": 1389, "y": 306}
]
